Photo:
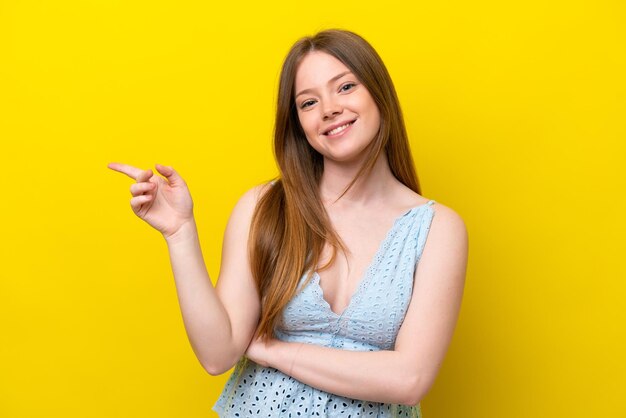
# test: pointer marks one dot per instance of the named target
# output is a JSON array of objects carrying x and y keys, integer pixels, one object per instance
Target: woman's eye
[
  {"x": 347, "y": 87},
  {"x": 307, "y": 104}
]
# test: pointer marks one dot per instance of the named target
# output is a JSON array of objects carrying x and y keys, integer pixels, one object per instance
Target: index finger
[{"x": 129, "y": 170}]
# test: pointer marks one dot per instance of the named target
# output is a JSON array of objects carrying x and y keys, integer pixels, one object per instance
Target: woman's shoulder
[
  {"x": 447, "y": 224},
  {"x": 246, "y": 204},
  {"x": 444, "y": 214},
  {"x": 249, "y": 199},
  {"x": 261, "y": 189}
]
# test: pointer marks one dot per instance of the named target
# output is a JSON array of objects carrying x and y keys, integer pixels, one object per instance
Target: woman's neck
[{"x": 369, "y": 189}]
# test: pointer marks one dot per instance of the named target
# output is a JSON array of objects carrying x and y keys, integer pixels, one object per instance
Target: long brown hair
[{"x": 290, "y": 225}]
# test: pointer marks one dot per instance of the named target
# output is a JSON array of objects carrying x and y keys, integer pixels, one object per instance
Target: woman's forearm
[
  {"x": 378, "y": 376},
  {"x": 206, "y": 320}
]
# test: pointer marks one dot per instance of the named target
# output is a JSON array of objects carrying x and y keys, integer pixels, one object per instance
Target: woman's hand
[
  {"x": 166, "y": 205},
  {"x": 260, "y": 352}
]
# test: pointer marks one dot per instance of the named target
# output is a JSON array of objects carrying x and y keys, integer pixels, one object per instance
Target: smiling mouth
[{"x": 339, "y": 129}]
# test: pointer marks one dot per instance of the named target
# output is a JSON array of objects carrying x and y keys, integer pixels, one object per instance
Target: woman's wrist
[
  {"x": 294, "y": 358},
  {"x": 186, "y": 231},
  {"x": 272, "y": 353},
  {"x": 282, "y": 355}
]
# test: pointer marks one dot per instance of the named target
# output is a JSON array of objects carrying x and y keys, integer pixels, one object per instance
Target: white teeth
[{"x": 339, "y": 129}]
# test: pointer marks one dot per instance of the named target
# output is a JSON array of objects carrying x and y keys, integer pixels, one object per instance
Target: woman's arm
[
  {"x": 405, "y": 374},
  {"x": 219, "y": 321}
]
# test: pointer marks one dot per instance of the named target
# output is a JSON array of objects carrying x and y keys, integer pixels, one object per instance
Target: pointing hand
[{"x": 164, "y": 203}]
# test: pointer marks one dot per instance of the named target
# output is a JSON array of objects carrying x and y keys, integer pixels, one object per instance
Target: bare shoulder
[
  {"x": 448, "y": 219},
  {"x": 247, "y": 202},
  {"x": 448, "y": 235}
]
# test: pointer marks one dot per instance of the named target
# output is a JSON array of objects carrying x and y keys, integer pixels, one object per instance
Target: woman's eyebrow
[{"x": 337, "y": 77}]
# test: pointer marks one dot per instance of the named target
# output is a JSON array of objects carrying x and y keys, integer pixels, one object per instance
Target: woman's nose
[{"x": 331, "y": 110}]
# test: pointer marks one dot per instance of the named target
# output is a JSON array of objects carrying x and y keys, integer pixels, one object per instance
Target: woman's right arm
[{"x": 220, "y": 321}]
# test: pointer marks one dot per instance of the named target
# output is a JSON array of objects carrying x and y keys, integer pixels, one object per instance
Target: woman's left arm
[{"x": 405, "y": 374}]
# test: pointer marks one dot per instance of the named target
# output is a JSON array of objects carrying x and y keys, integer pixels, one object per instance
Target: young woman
[{"x": 331, "y": 301}]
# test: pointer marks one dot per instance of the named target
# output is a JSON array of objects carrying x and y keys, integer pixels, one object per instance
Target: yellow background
[{"x": 516, "y": 114}]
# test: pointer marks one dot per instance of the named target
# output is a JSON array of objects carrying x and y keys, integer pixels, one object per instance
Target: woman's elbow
[
  {"x": 415, "y": 389},
  {"x": 216, "y": 368}
]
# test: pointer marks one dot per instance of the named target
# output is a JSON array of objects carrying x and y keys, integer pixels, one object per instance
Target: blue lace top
[{"x": 370, "y": 322}]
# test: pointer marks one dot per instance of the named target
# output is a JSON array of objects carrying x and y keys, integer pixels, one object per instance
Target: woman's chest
[
  {"x": 376, "y": 307},
  {"x": 372, "y": 318},
  {"x": 365, "y": 242}
]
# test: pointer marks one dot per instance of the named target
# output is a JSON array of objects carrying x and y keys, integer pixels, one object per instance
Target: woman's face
[{"x": 337, "y": 113}]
